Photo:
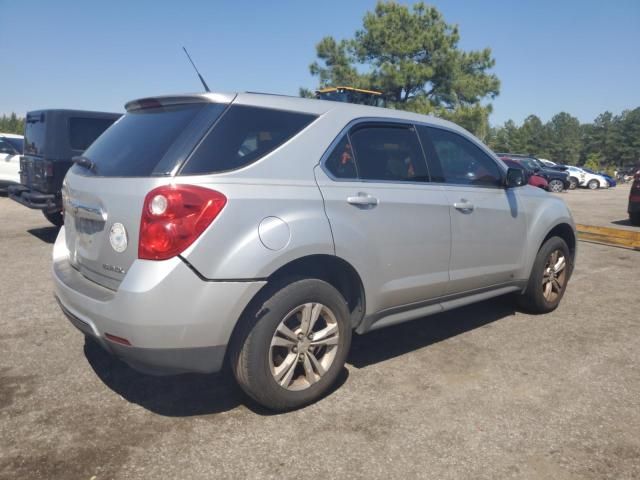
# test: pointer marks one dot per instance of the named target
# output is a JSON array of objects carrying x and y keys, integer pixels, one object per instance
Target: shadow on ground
[
  {"x": 199, "y": 394},
  {"x": 46, "y": 234},
  {"x": 626, "y": 222},
  {"x": 387, "y": 343}
]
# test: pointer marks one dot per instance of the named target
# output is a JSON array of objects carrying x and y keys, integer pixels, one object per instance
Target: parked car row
[{"x": 559, "y": 177}]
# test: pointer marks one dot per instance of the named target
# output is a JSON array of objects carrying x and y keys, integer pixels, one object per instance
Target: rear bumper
[
  {"x": 49, "y": 202},
  {"x": 174, "y": 321}
]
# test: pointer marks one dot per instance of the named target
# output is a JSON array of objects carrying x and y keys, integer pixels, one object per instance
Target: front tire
[
  {"x": 549, "y": 276},
  {"x": 56, "y": 218},
  {"x": 634, "y": 218},
  {"x": 593, "y": 184},
  {"x": 292, "y": 344},
  {"x": 556, "y": 186}
]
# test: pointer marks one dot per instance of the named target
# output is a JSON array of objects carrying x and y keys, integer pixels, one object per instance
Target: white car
[
  {"x": 590, "y": 180},
  {"x": 11, "y": 147}
]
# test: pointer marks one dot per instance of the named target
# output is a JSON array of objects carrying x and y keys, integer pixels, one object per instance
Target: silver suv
[{"x": 261, "y": 230}]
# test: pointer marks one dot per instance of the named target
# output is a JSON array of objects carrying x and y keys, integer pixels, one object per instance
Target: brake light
[
  {"x": 48, "y": 168},
  {"x": 173, "y": 217}
]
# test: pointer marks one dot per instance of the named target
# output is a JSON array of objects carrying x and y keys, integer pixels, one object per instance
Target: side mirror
[{"x": 515, "y": 178}]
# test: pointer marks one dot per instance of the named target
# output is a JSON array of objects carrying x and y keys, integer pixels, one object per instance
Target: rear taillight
[
  {"x": 48, "y": 168},
  {"x": 173, "y": 216}
]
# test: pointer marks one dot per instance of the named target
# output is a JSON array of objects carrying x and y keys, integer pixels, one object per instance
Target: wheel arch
[
  {"x": 332, "y": 269},
  {"x": 567, "y": 233}
]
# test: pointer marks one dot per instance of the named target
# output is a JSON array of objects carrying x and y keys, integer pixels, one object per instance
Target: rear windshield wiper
[{"x": 84, "y": 162}]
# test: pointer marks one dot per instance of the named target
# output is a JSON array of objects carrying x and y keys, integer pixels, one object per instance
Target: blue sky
[{"x": 582, "y": 57}]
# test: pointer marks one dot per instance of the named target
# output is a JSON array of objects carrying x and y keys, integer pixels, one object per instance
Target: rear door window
[
  {"x": 388, "y": 153},
  {"x": 242, "y": 136},
  {"x": 340, "y": 162},
  {"x": 83, "y": 131},
  {"x": 136, "y": 144}
]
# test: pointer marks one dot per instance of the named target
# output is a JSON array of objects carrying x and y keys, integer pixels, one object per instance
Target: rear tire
[
  {"x": 593, "y": 184},
  {"x": 549, "y": 277},
  {"x": 56, "y": 218},
  {"x": 634, "y": 218},
  {"x": 284, "y": 366},
  {"x": 573, "y": 183}
]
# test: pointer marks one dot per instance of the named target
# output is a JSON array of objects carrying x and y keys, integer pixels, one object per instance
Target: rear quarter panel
[
  {"x": 232, "y": 247},
  {"x": 280, "y": 185}
]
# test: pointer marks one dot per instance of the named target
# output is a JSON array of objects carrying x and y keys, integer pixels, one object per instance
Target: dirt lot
[{"x": 480, "y": 392}]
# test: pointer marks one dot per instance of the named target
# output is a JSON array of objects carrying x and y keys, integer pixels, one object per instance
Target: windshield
[
  {"x": 17, "y": 143},
  {"x": 137, "y": 143},
  {"x": 530, "y": 163}
]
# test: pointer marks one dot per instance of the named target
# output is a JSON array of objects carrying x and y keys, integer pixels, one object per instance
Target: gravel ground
[
  {"x": 481, "y": 392},
  {"x": 603, "y": 207}
]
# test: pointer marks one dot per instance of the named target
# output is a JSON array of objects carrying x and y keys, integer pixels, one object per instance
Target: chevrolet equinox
[{"x": 260, "y": 231}]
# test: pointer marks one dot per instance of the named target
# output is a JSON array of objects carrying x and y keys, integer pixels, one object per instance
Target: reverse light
[{"x": 173, "y": 217}]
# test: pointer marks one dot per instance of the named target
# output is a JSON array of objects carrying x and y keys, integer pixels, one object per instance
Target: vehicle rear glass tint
[
  {"x": 34, "y": 133},
  {"x": 83, "y": 131},
  {"x": 242, "y": 136},
  {"x": 138, "y": 141}
]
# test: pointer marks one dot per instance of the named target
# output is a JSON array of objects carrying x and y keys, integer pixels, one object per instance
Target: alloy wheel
[
  {"x": 554, "y": 275},
  {"x": 304, "y": 346},
  {"x": 556, "y": 186}
]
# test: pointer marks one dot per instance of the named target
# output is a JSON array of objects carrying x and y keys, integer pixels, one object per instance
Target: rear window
[
  {"x": 135, "y": 145},
  {"x": 83, "y": 131},
  {"x": 34, "y": 133},
  {"x": 242, "y": 136}
]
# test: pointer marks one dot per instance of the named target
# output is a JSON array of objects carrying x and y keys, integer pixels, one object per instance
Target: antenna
[{"x": 204, "y": 84}]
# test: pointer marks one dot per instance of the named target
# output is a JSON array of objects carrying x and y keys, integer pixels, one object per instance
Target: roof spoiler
[{"x": 166, "y": 101}]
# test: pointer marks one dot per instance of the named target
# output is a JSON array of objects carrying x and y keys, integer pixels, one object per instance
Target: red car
[
  {"x": 535, "y": 180},
  {"x": 634, "y": 200}
]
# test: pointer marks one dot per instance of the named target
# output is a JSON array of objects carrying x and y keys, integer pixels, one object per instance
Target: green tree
[
  {"x": 412, "y": 55},
  {"x": 565, "y": 138},
  {"x": 11, "y": 124},
  {"x": 534, "y": 137}
]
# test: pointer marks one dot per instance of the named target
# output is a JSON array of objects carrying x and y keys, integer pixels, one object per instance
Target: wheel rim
[
  {"x": 304, "y": 346},
  {"x": 554, "y": 276},
  {"x": 593, "y": 184},
  {"x": 556, "y": 186}
]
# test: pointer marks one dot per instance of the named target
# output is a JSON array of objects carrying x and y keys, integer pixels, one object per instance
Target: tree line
[
  {"x": 609, "y": 142},
  {"x": 11, "y": 124},
  {"x": 412, "y": 56}
]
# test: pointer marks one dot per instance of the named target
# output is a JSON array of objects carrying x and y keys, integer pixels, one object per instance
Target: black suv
[
  {"x": 51, "y": 139},
  {"x": 558, "y": 179}
]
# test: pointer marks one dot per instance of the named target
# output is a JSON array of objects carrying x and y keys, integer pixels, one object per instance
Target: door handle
[
  {"x": 463, "y": 206},
  {"x": 362, "y": 200}
]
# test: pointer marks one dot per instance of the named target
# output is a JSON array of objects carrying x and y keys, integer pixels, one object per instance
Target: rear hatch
[{"x": 138, "y": 153}]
